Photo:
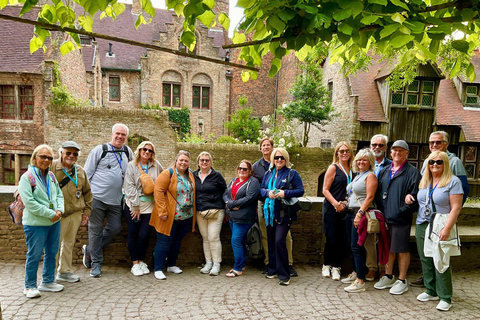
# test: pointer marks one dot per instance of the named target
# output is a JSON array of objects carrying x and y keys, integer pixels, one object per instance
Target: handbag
[
  {"x": 147, "y": 182},
  {"x": 210, "y": 214},
  {"x": 373, "y": 225},
  {"x": 290, "y": 206}
]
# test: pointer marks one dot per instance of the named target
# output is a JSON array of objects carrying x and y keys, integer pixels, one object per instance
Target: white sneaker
[
  {"x": 207, "y": 267},
  {"x": 137, "y": 270},
  {"x": 215, "y": 269},
  {"x": 159, "y": 275},
  {"x": 31, "y": 292},
  {"x": 326, "y": 271},
  {"x": 174, "y": 269},
  {"x": 335, "y": 273},
  {"x": 355, "y": 287},
  {"x": 444, "y": 306},
  {"x": 52, "y": 287},
  {"x": 424, "y": 297},
  {"x": 399, "y": 287},
  {"x": 144, "y": 267},
  {"x": 384, "y": 283},
  {"x": 67, "y": 277},
  {"x": 350, "y": 278}
]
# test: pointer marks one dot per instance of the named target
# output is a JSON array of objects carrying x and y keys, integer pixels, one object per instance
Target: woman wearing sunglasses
[
  {"x": 209, "y": 188},
  {"x": 138, "y": 205},
  {"x": 280, "y": 182},
  {"x": 241, "y": 199},
  {"x": 44, "y": 206},
  {"x": 337, "y": 177},
  {"x": 440, "y": 193}
]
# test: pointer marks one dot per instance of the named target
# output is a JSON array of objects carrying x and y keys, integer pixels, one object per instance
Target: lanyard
[
  {"x": 394, "y": 173},
  {"x": 45, "y": 182},
  {"x": 355, "y": 180},
  {"x": 429, "y": 194},
  {"x": 143, "y": 168},
  {"x": 74, "y": 170},
  {"x": 349, "y": 177},
  {"x": 116, "y": 157}
]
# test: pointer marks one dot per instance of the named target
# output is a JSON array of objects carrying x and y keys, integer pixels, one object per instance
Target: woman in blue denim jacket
[{"x": 279, "y": 182}]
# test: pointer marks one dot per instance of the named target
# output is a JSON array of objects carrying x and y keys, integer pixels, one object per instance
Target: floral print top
[{"x": 184, "y": 208}]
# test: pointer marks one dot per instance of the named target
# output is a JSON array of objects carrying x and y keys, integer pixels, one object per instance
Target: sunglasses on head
[
  {"x": 279, "y": 158},
  {"x": 432, "y": 162},
  {"x": 380, "y": 145},
  {"x": 44, "y": 157},
  {"x": 68, "y": 153},
  {"x": 344, "y": 151},
  {"x": 242, "y": 169},
  {"x": 204, "y": 160},
  {"x": 438, "y": 142},
  {"x": 147, "y": 150}
]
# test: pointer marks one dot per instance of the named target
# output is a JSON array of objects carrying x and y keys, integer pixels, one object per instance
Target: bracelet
[{"x": 361, "y": 212}]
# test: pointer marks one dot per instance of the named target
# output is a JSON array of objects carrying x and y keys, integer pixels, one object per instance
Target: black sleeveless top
[{"x": 338, "y": 189}]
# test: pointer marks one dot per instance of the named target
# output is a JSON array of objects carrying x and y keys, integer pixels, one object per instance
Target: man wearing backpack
[
  {"x": 259, "y": 169},
  {"x": 78, "y": 205},
  {"x": 105, "y": 167}
]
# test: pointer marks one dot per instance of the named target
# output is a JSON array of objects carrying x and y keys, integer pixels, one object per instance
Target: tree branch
[{"x": 49, "y": 26}]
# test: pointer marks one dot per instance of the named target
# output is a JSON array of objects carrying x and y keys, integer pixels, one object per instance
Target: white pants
[{"x": 210, "y": 231}]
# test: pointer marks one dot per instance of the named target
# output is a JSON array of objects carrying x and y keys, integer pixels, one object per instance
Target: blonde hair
[
  {"x": 284, "y": 153},
  {"x": 446, "y": 175},
  {"x": 136, "y": 154},
  {"x": 204, "y": 153},
  {"x": 37, "y": 150},
  {"x": 337, "y": 148},
  {"x": 362, "y": 154}
]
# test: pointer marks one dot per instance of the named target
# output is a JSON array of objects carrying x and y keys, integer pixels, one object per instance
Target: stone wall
[{"x": 129, "y": 89}]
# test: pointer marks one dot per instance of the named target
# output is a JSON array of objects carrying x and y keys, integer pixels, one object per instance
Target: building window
[
  {"x": 419, "y": 92},
  {"x": 183, "y": 48},
  {"x": 330, "y": 91},
  {"x": 325, "y": 143},
  {"x": 471, "y": 161},
  {"x": 171, "y": 95},
  {"x": 201, "y": 97},
  {"x": 471, "y": 98},
  {"x": 85, "y": 40},
  {"x": 16, "y": 102},
  {"x": 114, "y": 88},
  {"x": 9, "y": 167}
]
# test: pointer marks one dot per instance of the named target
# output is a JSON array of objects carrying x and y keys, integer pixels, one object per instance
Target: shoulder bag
[{"x": 291, "y": 205}]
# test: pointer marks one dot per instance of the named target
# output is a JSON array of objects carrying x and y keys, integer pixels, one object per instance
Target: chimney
[
  {"x": 110, "y": 52},
  {"x": 136, "y": 7}
]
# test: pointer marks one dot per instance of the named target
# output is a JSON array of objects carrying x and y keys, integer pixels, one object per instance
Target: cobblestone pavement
[{"x": 191, "y": 295}]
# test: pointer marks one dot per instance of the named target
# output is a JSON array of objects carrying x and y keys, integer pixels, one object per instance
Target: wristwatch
[{"x": 361, "y": 212}]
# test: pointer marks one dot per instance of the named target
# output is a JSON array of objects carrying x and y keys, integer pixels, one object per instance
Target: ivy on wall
[{"x": 180, "y": 116}]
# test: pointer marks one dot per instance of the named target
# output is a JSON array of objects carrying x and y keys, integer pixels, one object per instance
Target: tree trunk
[{"x": 306, "y": 131}]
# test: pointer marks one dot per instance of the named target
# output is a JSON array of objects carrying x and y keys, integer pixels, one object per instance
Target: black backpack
[{"x": 254, "y": 243}]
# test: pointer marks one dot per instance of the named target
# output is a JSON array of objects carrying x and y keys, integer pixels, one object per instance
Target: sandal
[{"x": 232, "y": 274}]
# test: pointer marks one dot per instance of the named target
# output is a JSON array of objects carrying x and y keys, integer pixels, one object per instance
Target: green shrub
[
  {"x": 243, "y": 126},
  {"x": 192, "y": 137},
  {"x": 227, "y": 139}
]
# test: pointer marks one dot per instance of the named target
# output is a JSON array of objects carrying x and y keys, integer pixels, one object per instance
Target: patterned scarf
[{"x": 269, "y": 206}]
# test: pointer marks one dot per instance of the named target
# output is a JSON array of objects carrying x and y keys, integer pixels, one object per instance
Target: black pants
[
  {"x": 138, "y": 235},
  {"x": 336, "y": 247},
  {"x": 277, "y": 249}
]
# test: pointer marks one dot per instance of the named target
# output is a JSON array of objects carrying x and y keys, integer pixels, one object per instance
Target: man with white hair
[
  {"x": 78, "y": 205},
  {"x": 105, "y": 166}
]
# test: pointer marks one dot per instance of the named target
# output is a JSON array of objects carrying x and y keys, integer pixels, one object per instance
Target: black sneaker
[
  {"x": 292, "y": 272},
  {"x": 265, "y": 270},
  {"x": 417, "y": 283}
]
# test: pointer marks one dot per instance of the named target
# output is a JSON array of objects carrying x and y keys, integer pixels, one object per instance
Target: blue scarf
[{"x": 269, "y": 206}]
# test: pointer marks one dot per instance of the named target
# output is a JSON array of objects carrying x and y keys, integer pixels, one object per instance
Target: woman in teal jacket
[{"x": 44, "y": 206}]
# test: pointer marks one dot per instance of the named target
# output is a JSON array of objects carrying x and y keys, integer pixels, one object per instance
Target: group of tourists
[
  {"x": 60, "y": 196},
  {"x": 359, "y": 190}
]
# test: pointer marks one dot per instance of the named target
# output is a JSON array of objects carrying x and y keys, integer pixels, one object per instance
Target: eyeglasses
[
  {"x": 380, "y": 145},
  {"x": 438, "y": 142},
  {"x": 242, "y": 169},
  {"x": 279, "y": 158},
  {"x": 44, "y": 157},
  {"x": 344, "y": 151},
  {"x": 432, "y": 162},
  {"x": 147, "y": 150},
  {"x": 204, "y": 160},
  {"x": 68, "y": 153}
]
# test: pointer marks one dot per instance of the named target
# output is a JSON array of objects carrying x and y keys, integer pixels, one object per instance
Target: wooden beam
[{"x": 54, "y": 27}]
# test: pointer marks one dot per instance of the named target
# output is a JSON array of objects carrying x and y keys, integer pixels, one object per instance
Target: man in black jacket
[
  {"x": 259, "y": 169},
  {"x": 394, "y": 183}
]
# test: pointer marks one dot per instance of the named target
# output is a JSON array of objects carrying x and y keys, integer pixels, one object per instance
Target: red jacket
[{"x": 383, "y": 237}]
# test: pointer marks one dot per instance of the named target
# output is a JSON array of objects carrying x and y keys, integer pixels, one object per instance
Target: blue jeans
[
  {"x": 138, "y": 234},
  {"x": 98, "y": 237},
  {"x": 239, "y": 244},
  {"x": 39, "y": 239},
  {"x": 359, "y": 254},
  {"x": 168, "y": 247}
]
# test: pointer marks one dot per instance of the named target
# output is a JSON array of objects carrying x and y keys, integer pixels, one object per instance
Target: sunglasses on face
[
  {"x": 344, "y": 151},
  {"x": 380, "y": 145},
  {"x": 279, "y": 158},
  {"x": 204, "y": 160},
  {"x": 432, "y": 162},
  {"x": 242, "y": 169},
  {"x": 437, "y": 143},
  {"x": 44, "y": 157},
  {"x": 68, "y": 154},
  {"x": 147, "y": 150}
]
